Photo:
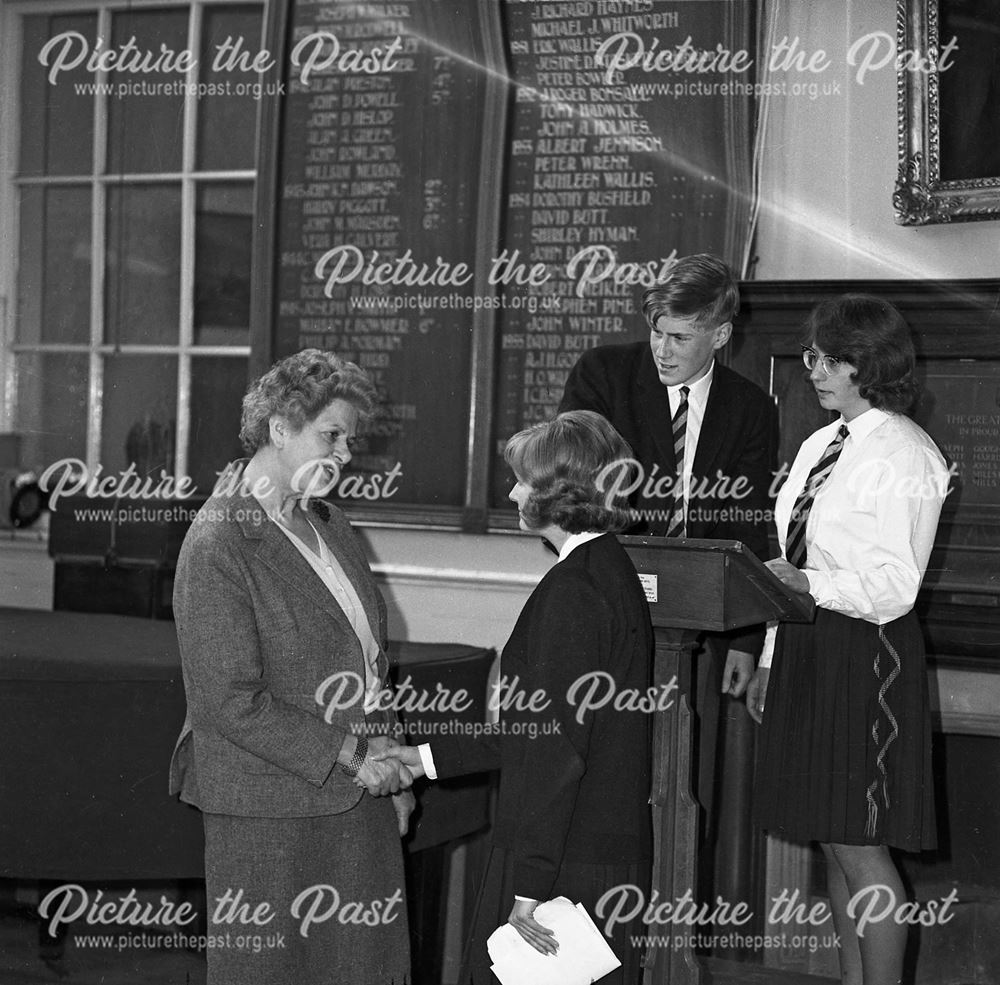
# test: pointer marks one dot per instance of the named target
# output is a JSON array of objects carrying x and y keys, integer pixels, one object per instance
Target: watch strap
[{"x": 353, "y": 767}]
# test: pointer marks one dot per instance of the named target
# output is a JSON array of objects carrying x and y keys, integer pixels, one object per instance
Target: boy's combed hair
[
  {"x": 700, "y": 286},
  {"x": 561, "y": 460}
]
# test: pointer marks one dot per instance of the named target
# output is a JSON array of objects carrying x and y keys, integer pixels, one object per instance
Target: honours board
[
  {"x": 463, "y": 196},
  {"x": 374, "y": 181},
  {"x": 610, "y": 178}
]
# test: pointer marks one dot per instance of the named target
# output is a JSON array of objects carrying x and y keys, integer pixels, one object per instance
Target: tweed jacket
[{"x": 259, "y": 634}]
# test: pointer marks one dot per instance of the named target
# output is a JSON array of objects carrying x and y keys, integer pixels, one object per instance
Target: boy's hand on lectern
[
  {"x": 757, "y": 693},
  {"x": 737, "y": 673}
]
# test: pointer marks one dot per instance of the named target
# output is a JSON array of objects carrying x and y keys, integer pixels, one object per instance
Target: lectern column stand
[
  {"x": 675, "y": 811},
  {"x": 691, "y": 585}
]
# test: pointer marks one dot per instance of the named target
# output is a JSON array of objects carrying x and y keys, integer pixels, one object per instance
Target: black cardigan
[{"x": 576, "y": 790}]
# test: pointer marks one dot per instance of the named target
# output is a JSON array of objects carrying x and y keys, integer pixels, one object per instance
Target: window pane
[
  {"x": 143, "y": 264},
  {"x": 227, "y": 122},
  {"x": 146, "y": 117},
  {"x": 223, "y": 232},
  {"x": 54, "y": 265},
  {"x": 217, "y": 387},
  {"x": 52, "y": 407},
  {"x": 140, "y": 414},
  {"x": 57, "y": 130}
]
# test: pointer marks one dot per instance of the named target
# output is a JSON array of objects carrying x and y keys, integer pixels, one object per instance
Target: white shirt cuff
[
  {"x": 427, "y": 760},
  {"x": 820, "y": 585},
  {"x": 525, "y": 899}
]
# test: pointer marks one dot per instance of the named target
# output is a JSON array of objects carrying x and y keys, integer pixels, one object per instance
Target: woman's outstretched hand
[
  {"x": 382, "y": 777},
  {"x": 406, "y": 757}
]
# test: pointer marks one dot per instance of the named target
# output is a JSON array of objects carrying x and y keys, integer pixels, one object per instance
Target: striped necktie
[
  {"x": 795, "y": 540},
  {"x": 678, "y": 520}
]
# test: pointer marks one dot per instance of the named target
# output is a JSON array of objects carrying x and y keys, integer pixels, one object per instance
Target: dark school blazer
[
  {"x": 576, "y": 790},
  {"x": 259, "y": 632},
  {"x": 737, "y": 441}
]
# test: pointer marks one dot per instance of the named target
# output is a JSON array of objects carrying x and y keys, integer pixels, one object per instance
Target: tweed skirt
[
  {"x": 307, "y": 900},
  {"x": 845, "y": 750}
]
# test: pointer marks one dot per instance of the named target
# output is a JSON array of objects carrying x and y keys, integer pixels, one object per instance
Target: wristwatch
[{"x": 358, "y": 759}]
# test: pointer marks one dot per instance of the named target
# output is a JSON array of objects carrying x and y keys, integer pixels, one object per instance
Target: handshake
[{"x": 388, "y": 767}]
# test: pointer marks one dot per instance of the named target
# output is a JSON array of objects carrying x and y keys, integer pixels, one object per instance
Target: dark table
[{"x": 90, "y": 708}]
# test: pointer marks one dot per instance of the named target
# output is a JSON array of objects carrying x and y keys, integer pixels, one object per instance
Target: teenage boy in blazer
[{"x": 729, "y": 449}]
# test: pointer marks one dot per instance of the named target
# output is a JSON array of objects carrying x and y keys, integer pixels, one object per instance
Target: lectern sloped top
[{"x": 711, "y": 584}]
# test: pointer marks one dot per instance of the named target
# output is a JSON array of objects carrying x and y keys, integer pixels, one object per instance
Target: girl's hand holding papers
[{"x": 540, "y": 938}]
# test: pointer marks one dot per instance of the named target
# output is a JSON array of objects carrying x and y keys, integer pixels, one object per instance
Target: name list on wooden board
[
  {"x": 608, "y": 182},
  {"x": 604, "y": 175},
  {"x": 377, "y": 192}
]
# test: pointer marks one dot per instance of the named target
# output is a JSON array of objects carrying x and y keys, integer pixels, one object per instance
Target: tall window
[{"x": 133, "y": 194}]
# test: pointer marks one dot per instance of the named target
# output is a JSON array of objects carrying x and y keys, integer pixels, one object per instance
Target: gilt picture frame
[{"x": 948, "y": 110}]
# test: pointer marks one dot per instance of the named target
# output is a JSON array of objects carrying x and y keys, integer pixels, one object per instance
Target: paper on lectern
[{"x": 583, "y": 957}]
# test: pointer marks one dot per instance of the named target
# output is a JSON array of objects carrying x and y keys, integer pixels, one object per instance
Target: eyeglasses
[{"x": 828, "y": 364}]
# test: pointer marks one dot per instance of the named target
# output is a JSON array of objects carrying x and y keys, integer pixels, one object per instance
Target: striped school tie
[
  {"x": 795, "y": 541},
  {"x": 678, "y": 521}
]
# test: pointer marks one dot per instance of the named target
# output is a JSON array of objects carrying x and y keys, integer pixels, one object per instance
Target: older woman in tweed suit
[{"x": 273, "y": 600}]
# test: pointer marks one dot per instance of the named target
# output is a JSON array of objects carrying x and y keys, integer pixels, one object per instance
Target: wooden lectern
[{"x": 692, "y": 586}]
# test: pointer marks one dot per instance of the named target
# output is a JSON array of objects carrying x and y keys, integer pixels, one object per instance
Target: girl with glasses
[{"x": 846, "y": 744}]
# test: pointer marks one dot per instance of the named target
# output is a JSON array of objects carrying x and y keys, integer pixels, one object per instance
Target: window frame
[{"x": 188, "y": 177}]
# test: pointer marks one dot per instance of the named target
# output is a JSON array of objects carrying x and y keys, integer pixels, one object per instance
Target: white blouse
[
  {"x": 871, "y": 527},
  {"x": 340, "y": 587}
]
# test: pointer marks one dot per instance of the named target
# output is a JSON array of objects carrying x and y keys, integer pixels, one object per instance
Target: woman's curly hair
[
  {"x": 299, "y": 388},
  {"x": 568, "y": 463},
  {"x": 872, "y": 336}
]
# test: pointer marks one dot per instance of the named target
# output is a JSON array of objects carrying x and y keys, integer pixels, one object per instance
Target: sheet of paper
[{"x": 584, "y": 955}]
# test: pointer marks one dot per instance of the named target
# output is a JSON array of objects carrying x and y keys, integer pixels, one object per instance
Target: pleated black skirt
[
  {"x": 579, "y": 883},
  {"x": 337, "y": 878},
  {"x": 845, "y": 750}
]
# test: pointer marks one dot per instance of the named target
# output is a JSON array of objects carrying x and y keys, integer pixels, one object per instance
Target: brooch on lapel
[{"x": 320, "y": 509}]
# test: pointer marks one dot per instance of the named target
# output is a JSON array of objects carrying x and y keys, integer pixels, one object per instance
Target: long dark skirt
[
  {"x": 845, "y": 756},
  {"x": 579, "y": 883},
  {"x": 356, "y": 862}
]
